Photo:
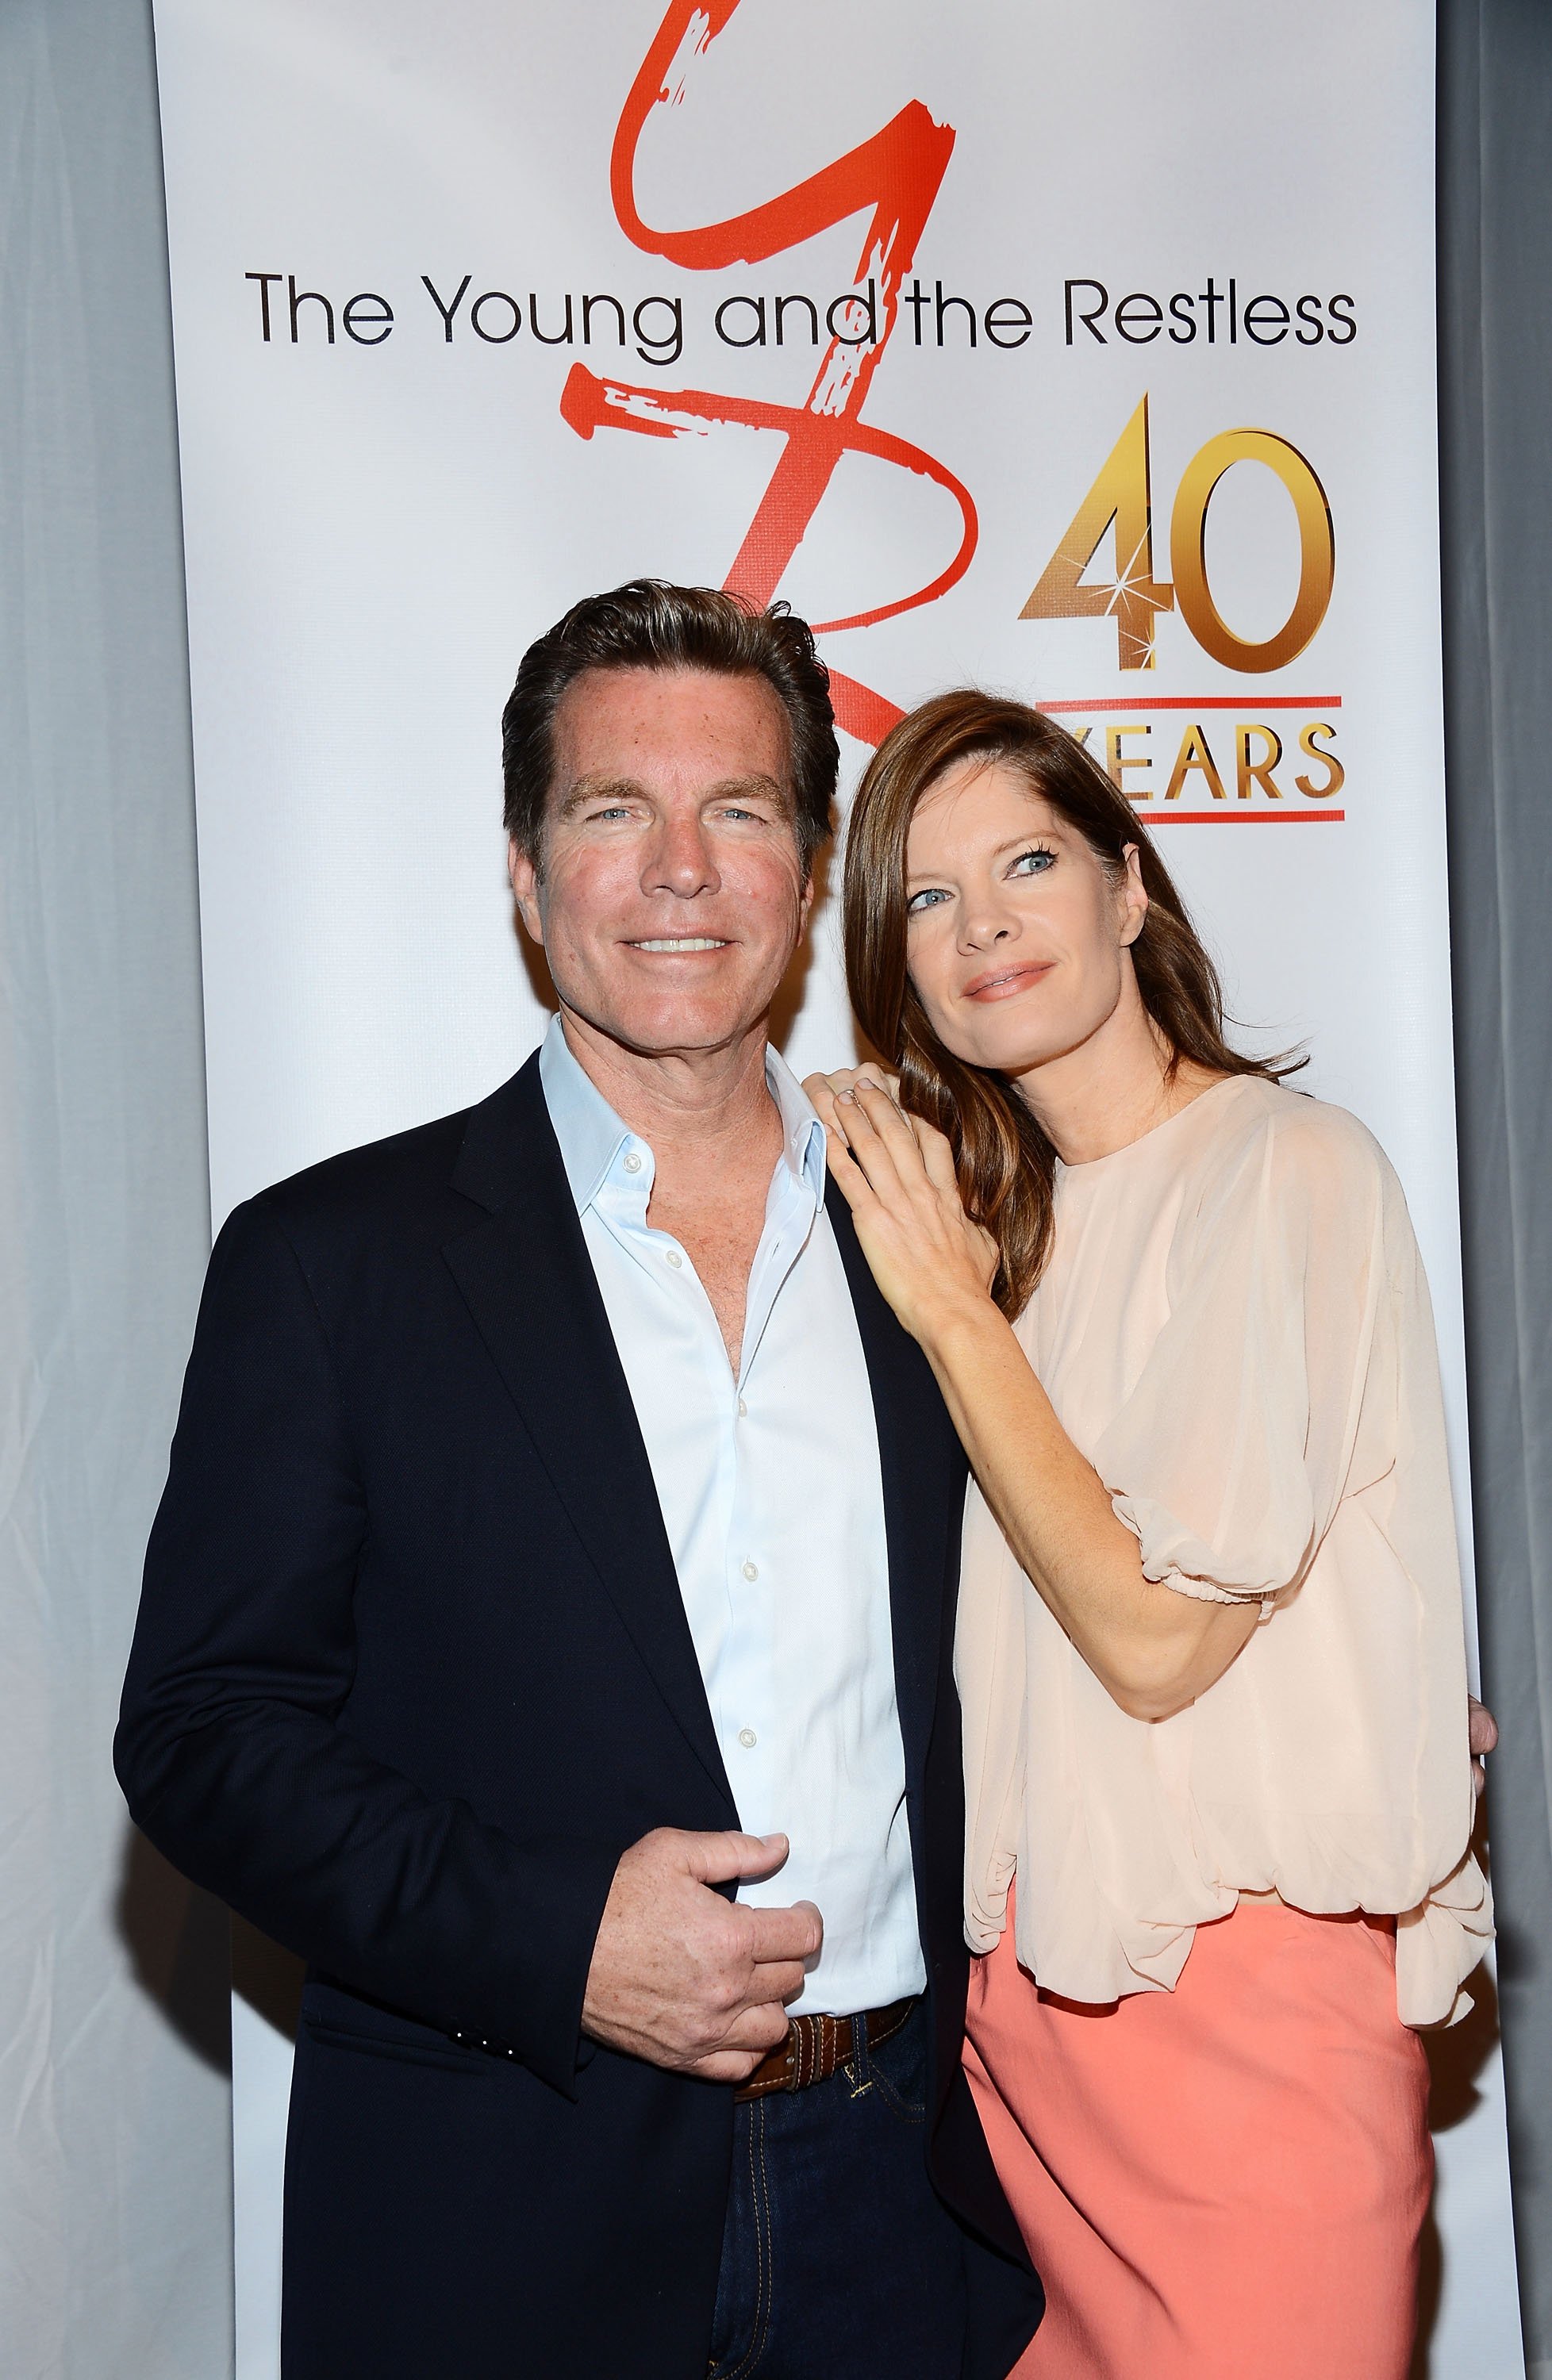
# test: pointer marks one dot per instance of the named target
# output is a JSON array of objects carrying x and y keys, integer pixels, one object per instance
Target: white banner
[{"x": 1086, "y": 352}]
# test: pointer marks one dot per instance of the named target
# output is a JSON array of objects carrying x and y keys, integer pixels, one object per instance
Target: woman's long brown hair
[{"x": 1006, "y": 1165}]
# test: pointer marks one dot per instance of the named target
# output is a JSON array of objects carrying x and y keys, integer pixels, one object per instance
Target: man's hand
[
  {"x": 1483, "y": 1728},
  {"x": 683, "y": 1977}
]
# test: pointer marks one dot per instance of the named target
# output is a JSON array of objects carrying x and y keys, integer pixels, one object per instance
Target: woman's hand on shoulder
[
  {"x": 825, "y": 1090},
  {"x": 897, "y": 1173}
]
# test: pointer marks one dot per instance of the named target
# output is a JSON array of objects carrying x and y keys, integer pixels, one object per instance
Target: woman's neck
[{"x": 1114, "y": 1087}]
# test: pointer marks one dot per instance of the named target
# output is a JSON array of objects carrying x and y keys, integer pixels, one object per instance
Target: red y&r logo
[{"x": 898, "y": 173}]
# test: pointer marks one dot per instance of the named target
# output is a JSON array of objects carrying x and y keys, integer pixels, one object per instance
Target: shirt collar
[
  {"x": 802, "y": 1139},
  {"x": 591, "y": 1135}
]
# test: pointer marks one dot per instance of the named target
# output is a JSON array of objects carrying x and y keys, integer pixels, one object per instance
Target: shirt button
[
  {"x": 632, "y": 1163},
  {"x": 742, "y": 1410},
  {"x": 747, "y": 1738},
  {"x": 675, "y": 1258},
  {"x": 750, "y": 1570}
]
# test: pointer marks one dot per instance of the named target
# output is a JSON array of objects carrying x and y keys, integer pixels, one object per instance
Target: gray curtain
[
  {"x": 115, "y": 2200},
  {"x": 114, "y": 2115},
  {"x": 1496, "y": 434}
]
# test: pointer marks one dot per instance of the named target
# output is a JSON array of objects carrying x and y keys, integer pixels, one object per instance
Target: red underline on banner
[
  {"x": 1199, "y": 702},
  {"x": 1242, "y": 817}
]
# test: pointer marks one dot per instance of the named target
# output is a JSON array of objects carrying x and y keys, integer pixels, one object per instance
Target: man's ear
[{"x": 524, "y": 876}]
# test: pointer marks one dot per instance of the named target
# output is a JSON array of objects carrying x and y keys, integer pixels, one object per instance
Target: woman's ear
[{"x": 1133, "y": 896}]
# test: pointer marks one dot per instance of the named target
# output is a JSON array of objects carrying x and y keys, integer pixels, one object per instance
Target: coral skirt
[{"x": 1226, "y": 2182}]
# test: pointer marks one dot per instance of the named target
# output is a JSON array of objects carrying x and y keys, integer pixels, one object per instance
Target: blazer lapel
[
  {"x": 910, "y": 1424},
  {"x": 528, "y": 1282}
]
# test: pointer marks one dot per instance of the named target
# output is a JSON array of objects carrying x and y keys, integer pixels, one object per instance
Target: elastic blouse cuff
[
  {"x": 1201, "y": 1590},
  {"x": 1159, "y": 1535}
]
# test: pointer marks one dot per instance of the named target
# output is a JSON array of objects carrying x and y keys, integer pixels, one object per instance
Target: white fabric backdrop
[{"x": 377, "y": 522}]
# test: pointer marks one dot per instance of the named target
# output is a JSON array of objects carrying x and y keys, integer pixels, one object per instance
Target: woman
[{"x": 1210, "y": 1645}]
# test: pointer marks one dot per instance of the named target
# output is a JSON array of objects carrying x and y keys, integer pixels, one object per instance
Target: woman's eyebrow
[
  {"x": 1017, "y": 842},
  {"x": 1013, "y": 843}
]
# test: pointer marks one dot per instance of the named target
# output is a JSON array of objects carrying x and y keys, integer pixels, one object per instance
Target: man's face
[{"x": 672, "y": 895}]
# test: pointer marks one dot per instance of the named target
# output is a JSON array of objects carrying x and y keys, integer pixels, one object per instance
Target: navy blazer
[{"x": 411, "y": 1671}]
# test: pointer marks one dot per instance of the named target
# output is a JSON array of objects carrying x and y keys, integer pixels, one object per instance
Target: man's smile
[{"x": 677, "y": 944}]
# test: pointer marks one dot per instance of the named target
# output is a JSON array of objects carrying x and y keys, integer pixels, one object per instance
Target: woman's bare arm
[{"x": 1153, "y": 1649}]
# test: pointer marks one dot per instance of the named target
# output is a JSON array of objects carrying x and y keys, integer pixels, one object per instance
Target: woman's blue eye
[
  {"x": 1033, "y": 863},
  {"x": 927, "y": 900}
]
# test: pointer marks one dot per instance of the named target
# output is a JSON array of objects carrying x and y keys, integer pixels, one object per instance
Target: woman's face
[{"x": 1016, "y": 937}]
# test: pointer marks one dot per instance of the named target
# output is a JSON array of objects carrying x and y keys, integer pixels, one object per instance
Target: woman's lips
[{"x": 1003, "y": 983}]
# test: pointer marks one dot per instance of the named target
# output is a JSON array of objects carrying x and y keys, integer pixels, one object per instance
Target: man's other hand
[
  {"x": 1483, "y": 1728},
  {"x": 681, "y": 1976}
]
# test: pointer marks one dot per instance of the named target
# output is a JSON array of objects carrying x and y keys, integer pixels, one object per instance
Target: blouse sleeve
[{"x": 1231, "y": 1453}]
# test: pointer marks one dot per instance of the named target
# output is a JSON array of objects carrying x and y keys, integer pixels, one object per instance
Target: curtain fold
[
  {"x": 1495, "y": 436},
  {"x": 114, "y": 2115}
]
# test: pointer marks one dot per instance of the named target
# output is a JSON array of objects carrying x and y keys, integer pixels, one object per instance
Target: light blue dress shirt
[{"x": 774, "y": 1503}]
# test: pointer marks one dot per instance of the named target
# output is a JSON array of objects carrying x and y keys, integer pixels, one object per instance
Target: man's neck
[{"x": 701, "y": 1112}]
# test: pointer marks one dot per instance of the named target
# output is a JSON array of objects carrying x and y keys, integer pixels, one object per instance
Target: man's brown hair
[{"x": 649, "y": 625}]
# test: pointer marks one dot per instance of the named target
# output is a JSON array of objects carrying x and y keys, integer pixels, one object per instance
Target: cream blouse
[{"x": 1235, "y": 1329}]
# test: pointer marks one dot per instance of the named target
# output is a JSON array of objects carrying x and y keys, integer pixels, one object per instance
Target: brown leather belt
[{"x": 816, "y": 2046}]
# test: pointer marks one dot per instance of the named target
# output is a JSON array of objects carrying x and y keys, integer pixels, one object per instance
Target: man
[{"x": 547, "y": 1633}]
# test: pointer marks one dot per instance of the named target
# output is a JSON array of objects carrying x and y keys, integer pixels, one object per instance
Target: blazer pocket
[
  {"x": 339, "y": 2019},
  {"x": 409, "y": 2053}
]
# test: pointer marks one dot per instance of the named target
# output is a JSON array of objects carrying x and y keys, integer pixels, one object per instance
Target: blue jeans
[{"x": 839, "y": 2260}]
